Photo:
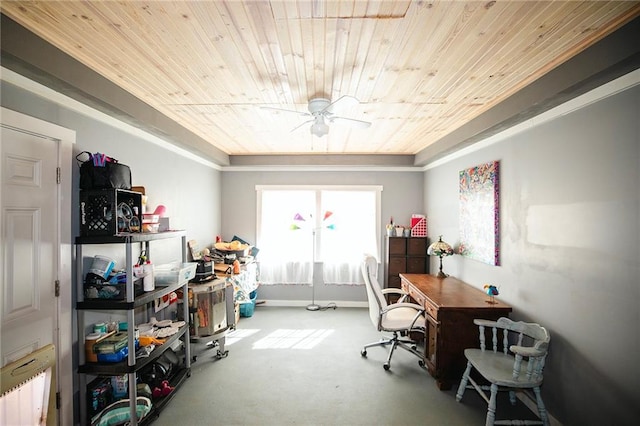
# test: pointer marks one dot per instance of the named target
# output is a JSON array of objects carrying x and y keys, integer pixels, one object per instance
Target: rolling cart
[{"x": 211, "y": 313}]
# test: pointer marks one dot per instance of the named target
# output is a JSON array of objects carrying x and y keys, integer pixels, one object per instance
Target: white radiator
[{"x": 26, "y": 389}]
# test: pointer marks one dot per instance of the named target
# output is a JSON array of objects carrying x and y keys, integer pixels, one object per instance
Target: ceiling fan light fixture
[{"x": 319, "y": 128}]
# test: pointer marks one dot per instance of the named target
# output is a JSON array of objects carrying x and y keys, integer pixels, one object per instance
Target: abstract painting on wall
[{"x": 479, "y": 219}]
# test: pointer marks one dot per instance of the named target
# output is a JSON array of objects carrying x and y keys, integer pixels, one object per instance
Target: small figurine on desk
[{"x": 492, "y": 291}]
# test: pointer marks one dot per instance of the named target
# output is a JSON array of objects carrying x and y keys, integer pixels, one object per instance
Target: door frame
[{"x": 63, "y": 339}]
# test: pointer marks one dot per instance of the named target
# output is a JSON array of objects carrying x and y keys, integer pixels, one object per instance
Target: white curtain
[
  {"x": 285, "y": 253},
  {"x": 354, "y": 217},
  {"x": 335, "y": 225}
]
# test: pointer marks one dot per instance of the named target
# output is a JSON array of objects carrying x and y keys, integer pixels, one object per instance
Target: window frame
[{"x": 377, "y": 189}]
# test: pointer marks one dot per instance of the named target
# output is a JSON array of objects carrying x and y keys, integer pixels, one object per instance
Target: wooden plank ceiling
[{"x": 420, "y": 69}]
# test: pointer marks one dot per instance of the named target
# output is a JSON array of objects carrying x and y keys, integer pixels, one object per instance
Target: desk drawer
[
  {"x": 431, "y": 310},
  {"x": 415, "y": 295},
  {"x": 421, "y": 300}
]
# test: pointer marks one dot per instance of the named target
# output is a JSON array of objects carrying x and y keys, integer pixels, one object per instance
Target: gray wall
[
  {"x": 401, "y": 197},
  {"x": 570, "y": 240}
]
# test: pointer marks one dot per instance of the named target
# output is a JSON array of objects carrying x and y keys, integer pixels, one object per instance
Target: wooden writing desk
[{"x": 451, "y": 306}]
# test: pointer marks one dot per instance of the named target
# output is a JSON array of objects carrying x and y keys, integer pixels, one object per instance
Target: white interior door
[
  {"x": 35, "y": 257},
  {"x": 30, "y": 241}
]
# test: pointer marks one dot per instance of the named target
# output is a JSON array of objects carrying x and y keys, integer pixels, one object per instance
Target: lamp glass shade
[{"x": 440, "y": 248}]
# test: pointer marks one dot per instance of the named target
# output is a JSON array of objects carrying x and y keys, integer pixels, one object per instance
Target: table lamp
[{"x": 440, "y": 249}]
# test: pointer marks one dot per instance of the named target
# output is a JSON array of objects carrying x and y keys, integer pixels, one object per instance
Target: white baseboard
[{"x": 321, "y": 303}]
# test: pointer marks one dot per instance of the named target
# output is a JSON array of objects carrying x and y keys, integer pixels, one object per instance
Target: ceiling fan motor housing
[{"x": 317, "y": 105}]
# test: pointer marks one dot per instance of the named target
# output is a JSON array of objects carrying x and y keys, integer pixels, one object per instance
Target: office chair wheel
[
  {"x": 363, "y": 352},
  {"x": 386, "y": 366},
  {"x": 421, "y": 363}
]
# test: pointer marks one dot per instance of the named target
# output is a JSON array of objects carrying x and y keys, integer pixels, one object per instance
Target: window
[{"x": 335, "y": 225}]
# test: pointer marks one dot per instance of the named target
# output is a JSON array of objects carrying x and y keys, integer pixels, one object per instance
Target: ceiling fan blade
[
  {"x": 343, "y": 102},
  {"x": 360, "y": 124},
  {"x": 302, "y": 124},
  {"x": 303, "y": 113}
]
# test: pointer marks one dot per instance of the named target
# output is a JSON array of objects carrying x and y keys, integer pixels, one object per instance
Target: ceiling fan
[{"x": 322, "y": 110}]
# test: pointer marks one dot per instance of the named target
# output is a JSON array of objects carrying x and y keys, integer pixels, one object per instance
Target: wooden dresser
[
  {"x": 405, "y": 255},
  {"x": 451, "y": 306}
]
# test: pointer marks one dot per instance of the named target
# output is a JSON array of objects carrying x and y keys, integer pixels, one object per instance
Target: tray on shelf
[
  {"x": 122, "y": 367},
  {"x": 121, "y": 305},
  {"x": 175, "y": 272}
]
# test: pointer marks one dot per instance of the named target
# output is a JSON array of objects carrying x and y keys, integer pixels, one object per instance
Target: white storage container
[{"x": 175, "y": 272}]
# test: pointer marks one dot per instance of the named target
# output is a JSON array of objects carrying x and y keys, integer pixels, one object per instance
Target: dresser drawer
[
  {"x": 416, "y": 265},
  {"x": 394, "y": 281},
  {"x": 417, "y": 246},
  {"x": 397, "y": 265},
  {"x": 397, "y": 246}
]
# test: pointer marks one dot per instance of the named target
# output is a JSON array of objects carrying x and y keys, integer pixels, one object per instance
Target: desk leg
[{"x": 443, "y": 385}]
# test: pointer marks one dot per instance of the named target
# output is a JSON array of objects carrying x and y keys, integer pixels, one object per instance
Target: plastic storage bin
[
  {"x": 176, "y": 272},
  {"x": 246, "y": 309},
  {"x": 109, "y": 212}
]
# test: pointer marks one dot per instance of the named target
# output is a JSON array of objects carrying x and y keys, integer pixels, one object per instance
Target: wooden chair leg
[
  {"x": 542, "y": 412},
  {"x": 463, "y": 382},
  {"x": 491, "y": 411}
]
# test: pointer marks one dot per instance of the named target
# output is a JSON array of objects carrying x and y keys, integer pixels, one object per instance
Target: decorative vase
[
  {"x": 399, "y": 232},
  {"x": 390, "y": 232}
]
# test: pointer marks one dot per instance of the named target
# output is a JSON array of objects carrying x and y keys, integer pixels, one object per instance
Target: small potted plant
[{"x": 390, "y": 229}]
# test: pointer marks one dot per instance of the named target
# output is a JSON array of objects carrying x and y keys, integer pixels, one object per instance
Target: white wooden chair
[{"x": 508, "y": 367}]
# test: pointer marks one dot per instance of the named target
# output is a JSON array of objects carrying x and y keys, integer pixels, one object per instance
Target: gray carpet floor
[{"x": 290, "y": 366}]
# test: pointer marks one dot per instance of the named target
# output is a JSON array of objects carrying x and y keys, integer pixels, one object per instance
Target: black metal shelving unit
[{"x": 131, "y": 365}]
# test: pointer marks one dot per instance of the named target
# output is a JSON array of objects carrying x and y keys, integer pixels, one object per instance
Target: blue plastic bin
[{"x": 246, "y": 309}]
